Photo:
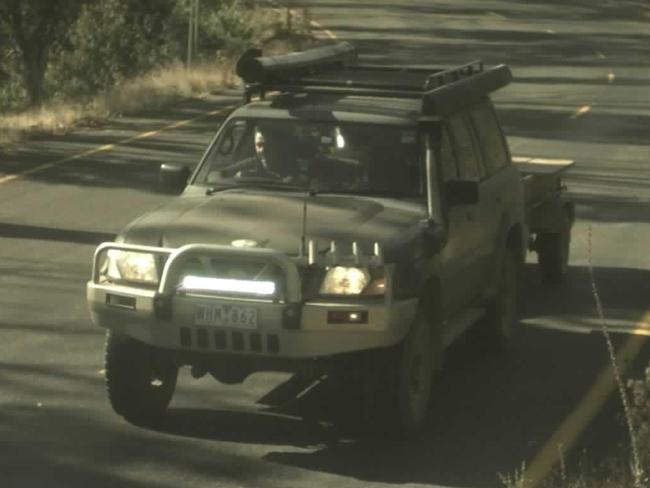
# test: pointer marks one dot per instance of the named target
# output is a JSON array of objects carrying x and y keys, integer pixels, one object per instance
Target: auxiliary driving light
[
  {"x": 347, "y": 317},
  {"x": 226, "y": 285}
]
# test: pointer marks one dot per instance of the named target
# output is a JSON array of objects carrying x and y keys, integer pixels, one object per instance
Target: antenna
[{"x": 303, "y": 239}]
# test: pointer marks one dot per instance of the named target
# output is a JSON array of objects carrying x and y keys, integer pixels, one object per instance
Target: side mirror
[
  {"x": 461, "y": 192},
  {"x": 173, "y": 177}
]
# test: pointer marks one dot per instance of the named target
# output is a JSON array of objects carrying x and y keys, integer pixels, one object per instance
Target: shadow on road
[
  {"x": 130, "y": 164},
  {"x": 20, "y": 231},
  {"x": 490, "y": 414},
  {"x": 73, "y": 447}
]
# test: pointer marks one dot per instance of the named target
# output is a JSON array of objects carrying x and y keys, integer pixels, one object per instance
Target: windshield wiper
[
  {"x": 266, "y": 185},
  {"x": 366, "y": 193}
]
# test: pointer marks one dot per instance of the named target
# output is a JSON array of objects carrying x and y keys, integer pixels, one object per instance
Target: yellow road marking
[
  {"x": 581, "y": 111},
  {"x": 320, "y": 27},
  {"x": 578, "y": 420},
  {"x": 611, "y": 77},
  {"x": 108, "y": 147},
  {"x": 550, "y": 31}
]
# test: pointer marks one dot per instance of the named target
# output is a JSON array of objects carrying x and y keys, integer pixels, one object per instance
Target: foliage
[
  {"x": 79, "y": 48},
  {"x": 132, "y": 39},
  {"x": 32, "y": 27}
]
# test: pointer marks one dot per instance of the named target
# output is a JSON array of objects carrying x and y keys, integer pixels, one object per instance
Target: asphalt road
[{"x": 581, "y": 91}]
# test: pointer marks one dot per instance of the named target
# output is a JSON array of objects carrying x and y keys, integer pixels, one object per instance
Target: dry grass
[
  {"x": 162, "y": 86},
  {"x": 151, "y": 90},
  {"x": 627, "y": 466},
  {"x": 613, "y": 473}
]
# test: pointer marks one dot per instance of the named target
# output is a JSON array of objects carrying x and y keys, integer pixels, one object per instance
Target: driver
[{"x": 256, "y": 165}]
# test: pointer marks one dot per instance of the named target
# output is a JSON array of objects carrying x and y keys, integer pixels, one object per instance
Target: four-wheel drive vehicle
[{"x": 353, "y": 223}]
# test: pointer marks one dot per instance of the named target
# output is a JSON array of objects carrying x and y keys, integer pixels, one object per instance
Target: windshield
[{"x": 328, "y": 156}]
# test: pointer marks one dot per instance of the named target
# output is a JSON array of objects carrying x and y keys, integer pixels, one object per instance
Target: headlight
[
  {"x": 131, "y": 266},
  {"x": 341, "y": 280}
]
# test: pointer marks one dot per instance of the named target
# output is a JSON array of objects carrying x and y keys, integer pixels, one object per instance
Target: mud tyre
[
  {"x": 402, "y": 393},
  {"x": 553, "y": 253},
  {"x": 140, "y": 380},
  {"x": 501, "y": 319}
]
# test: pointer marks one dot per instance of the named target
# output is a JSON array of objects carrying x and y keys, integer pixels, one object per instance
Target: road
[{"x": 581, "y": 91}]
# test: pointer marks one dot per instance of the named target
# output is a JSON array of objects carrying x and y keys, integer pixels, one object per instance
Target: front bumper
[{"x": 289, "y": 327}]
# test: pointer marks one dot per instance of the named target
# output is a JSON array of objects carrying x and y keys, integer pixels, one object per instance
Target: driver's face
[{"x": 259, "y": 145}]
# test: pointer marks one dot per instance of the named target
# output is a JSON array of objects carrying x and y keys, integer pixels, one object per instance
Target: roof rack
[{"x": 333, "y": 70}]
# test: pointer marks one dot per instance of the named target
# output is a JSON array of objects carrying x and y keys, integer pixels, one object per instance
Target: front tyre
[
  {"x": 400, "y": 399},
  {"x": 140, "y": 380},
  {"x": 415, "y": 375}
]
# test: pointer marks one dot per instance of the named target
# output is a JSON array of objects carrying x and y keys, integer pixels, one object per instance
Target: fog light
[
  {"x": 347, "y": 317},
  {"x": 120, "y": 301}
]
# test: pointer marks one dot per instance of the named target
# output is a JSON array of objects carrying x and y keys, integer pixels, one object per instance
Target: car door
[
  {"x": 497, "y": 185},
  {"x": 470, "y": 221},
  {"x": 458, "y": 269}
]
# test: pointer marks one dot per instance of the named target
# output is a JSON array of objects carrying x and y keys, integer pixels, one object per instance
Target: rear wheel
[
  {"x": 501, "y": 319},
  {"x": 140, "y": 380},
  {"x": 553, "y": 252}
]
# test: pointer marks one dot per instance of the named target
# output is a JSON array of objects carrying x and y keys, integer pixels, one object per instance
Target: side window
[
  {"x": 448, "y": 162},
  {"x": 231, "y": 143},
  {"x": 464, "y": 148},
  {"x": 234, "y": 143},
  {"x": 495, "y": 154}
]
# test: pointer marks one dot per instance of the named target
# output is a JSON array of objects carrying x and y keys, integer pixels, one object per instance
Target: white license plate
[{"x": 226, "y": 316}]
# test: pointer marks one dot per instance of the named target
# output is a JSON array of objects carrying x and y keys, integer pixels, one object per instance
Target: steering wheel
[{"x": 259, "y": 172}]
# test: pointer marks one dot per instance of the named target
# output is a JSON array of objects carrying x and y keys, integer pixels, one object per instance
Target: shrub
[{"x": 132, "y": 39}]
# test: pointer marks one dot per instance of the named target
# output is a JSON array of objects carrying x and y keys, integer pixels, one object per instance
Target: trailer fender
[{"x": 549, "y": 216}]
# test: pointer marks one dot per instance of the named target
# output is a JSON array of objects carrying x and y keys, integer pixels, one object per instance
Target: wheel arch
[
  {"x": 512, "y": 236},
  {"x": 516, "y": 241}
]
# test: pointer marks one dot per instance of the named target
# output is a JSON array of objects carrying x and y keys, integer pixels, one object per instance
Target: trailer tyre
[
  {"x": 140, "y": 380},
  {"x": 553, "y": 253}
]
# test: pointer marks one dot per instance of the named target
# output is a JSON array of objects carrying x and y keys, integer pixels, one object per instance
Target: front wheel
[
  {"x": 404, "y": 383},
  {"x": 140, "y": 380}
]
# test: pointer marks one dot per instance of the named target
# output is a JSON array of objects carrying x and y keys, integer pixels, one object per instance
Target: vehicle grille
[{"x": 228, "y": 340}]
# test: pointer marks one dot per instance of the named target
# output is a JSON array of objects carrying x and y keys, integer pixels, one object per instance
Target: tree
[
  {"x": 133, "y": 38},
  {"x": 34, "y": 27}
]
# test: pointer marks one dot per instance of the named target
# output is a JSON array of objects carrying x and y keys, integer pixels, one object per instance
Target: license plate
[{"x": 226, "y": 316}]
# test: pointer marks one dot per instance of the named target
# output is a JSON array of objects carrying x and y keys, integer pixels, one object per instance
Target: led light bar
[{"x": 201, "y": 283}]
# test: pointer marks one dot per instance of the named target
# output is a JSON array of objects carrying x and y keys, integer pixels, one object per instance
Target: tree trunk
[
  {"x": 34, "y": 64},
  {"x": 33, "y": 26}
]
